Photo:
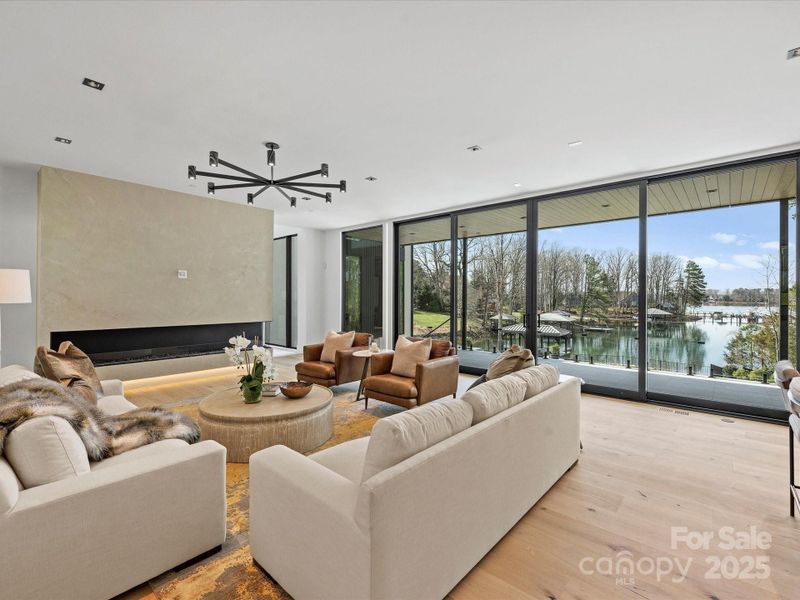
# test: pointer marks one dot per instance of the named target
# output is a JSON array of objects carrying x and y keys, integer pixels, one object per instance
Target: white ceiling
[{"x": 396, "y": 91}]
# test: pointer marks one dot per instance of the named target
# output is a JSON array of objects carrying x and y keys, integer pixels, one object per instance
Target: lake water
[{"x": 671, "y": 346}]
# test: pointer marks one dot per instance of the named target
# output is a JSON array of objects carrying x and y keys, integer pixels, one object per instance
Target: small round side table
[{"x": 367, "y": 354}]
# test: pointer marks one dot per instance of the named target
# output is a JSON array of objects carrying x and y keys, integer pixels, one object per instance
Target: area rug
[{"x": 230, "y": 573}]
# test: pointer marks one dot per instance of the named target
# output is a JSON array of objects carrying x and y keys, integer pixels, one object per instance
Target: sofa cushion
[
  {"x": 115, "y": 405},
  {"x": 794, "y": 396},
  {"x": 494, "y": 396},
  {"x": 407, "y": 354},
  {"x": 538, "y": 379},
  {"x": 510, "y": 361},
  {"x": 15, "y": 374},
  {"x": 142, "y": 453},
  {"x": 346, "y": 459},
  {"x": 9, "y": 487},
  {"x": 317, "y": 369},
  {"x": 70, "y": 366},
  {"x": 45, "y": 449},
  {"x": 391, "y": 385},
  {"x": 336, "y": 341},
  {"x": 400, "y": 436}
]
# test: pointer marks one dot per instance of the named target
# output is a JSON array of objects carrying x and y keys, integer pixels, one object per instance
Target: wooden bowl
[{"x": 295, "y": 389}]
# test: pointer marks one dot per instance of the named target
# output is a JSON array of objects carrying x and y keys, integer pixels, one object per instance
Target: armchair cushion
[
  {"x": 317, "y": 369},
  {"x": 408, "y": 354},
  {"x": 392, "y": 385},
  {"x": 336, "y": 341},
  {"x": 45, "y": 449},
  {"x": 400, "y": 436},
  {"x": 440, "y": 348}
]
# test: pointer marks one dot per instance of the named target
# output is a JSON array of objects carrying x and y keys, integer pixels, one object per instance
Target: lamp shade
[{"x": 15, "y": 286}]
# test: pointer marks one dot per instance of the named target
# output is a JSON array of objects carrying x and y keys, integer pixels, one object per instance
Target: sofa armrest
[
  {"x": 113, "y": 387},
  {"x": 302, "y": 520},
  {"x": 437, "y": 378},
  {"x": 312, "y": 352},
  {"x": 145, "y": 516},
  {"x": 381, "y": 364}
]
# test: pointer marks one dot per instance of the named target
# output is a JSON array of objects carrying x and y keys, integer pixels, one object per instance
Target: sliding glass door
[
  {"x": 491, "y": 283},
  {"x": 424, "y": 279},
  {"x": 587, "y": 313},
  {"x": 679, "y": 288},
  {"x": 717, "y": 286},
  {"x": 362, "y": 284}
]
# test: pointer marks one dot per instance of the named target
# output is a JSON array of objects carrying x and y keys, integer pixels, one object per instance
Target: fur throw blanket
[{"x": 103, "y": 435}]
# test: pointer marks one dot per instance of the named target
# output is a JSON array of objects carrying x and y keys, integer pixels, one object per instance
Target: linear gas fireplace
[{"x": 141, "y": 344}]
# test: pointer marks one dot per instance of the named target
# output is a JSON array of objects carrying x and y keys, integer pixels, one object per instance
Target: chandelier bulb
[
  {"x": 250, "y": 198},
  {"x": 342, "y": 186},
  {"x": 213, "y": 159},
  {"x": 328, "y": 198},
  {"x": 211, "y": 190},
  {"x": 192, "y": 172},
  {"x": 293, "y": 202},
  {"x": 324, "y": 170}
]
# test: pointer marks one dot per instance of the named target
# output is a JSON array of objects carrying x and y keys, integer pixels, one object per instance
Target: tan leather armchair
[
  {"x": 435, "y": 378},
  {"x": 344, "y": 369}
]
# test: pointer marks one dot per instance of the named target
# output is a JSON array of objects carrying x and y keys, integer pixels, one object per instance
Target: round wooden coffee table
[{"x": 244, "y": 429}]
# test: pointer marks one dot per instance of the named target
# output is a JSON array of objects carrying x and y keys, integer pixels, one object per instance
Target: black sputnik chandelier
[{"x": 252, "y": 180}]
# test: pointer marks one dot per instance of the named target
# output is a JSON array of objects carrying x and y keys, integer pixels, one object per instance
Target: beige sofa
[
  {"x": 98, "y": 534},
  {"x": 326, "y": 527}
]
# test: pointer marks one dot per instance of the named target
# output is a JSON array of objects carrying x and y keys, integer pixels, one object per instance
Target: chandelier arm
[
  {"x": 225, "y": 163},
  {"x": 263, "y": 189},
  {"x": 285, "y": 195},
  {"x": 237, "y": 185},
  {"x": 300, "y": 176},
  {"x": 309, "y": 192},
  {"x": 223, "y": 176},
  {"x": 319, "y": 185}
]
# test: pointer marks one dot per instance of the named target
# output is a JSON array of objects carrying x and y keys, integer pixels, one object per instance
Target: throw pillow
[
  {"x": 511, "y": 360},
  {"x": 45, "y": 449},
  {"x": 494, "y": 397},
  {"x": 336, "y": 341},
  {"x": 408, "y": 354},
  {"x": 71, "y": 367},
  {"x": 538, "y": 379},
  {"x": 398, "y": 437}
]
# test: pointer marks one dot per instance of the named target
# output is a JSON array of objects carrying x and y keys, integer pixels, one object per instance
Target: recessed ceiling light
[
  {"x": 517, "y": 185},
  {"x": 793, "y": 53},
  {"x": 575, "y": 143},
  {"x": 605, "y": 205},
  {"x": 711, "y": 191},
  {"x": 63, "y": 140},
  {"x": 95, "y": 85},
  {"x": 474, "y": 148},
  {"x": 371, "y": 178}
]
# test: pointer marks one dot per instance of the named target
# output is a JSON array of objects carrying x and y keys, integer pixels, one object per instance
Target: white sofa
[
  {"x": 127, "y": 520},
  {"x": 413, "y": 530}
]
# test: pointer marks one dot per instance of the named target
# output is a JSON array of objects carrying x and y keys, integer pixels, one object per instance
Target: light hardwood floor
[{"x": 644, "y": 470}]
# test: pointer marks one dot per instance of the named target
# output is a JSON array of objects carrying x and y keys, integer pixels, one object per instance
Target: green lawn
[{"x": 430, "y": 319}]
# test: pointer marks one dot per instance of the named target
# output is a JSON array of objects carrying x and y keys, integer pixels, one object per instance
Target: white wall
[
  {"x": 311, "y": 263},
  {"x": 18, "y": 216}
]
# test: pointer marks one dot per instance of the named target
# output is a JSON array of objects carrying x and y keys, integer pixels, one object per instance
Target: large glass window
[
  {"x": 714, "y": 285},
  {"x": 424, "y": 278},
  {"x": 363, "y": 281},
  {"x": 587, "y": 284},
  {"x": 491, "y": 283}
]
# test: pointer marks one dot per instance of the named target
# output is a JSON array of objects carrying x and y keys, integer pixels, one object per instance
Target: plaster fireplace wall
[{"x": 109, "y": 256}]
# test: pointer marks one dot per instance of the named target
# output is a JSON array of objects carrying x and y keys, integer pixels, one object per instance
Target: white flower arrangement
[{"x": 262, "y": 367}]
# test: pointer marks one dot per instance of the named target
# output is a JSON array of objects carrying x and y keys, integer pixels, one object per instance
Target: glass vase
[{"x": 251, "y": 394}]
